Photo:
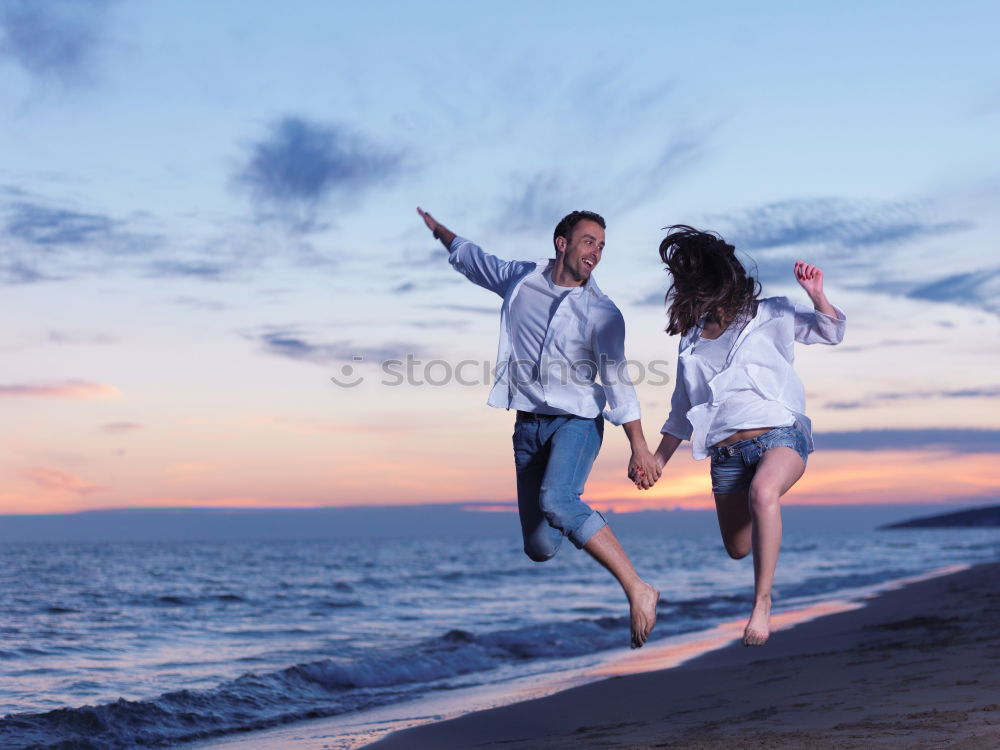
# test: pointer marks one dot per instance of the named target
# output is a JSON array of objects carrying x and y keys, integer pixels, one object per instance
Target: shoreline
[
  {"x": 402, "y": 725},
  {"x": 916, "y": 667}
]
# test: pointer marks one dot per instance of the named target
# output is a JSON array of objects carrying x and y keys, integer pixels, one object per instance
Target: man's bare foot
[
  {"x": 642, "y": 607},
  {"x": 758, "y": 629}
]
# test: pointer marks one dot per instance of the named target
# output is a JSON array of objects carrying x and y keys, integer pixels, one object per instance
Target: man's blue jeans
[{"x": 553, "y": 456}]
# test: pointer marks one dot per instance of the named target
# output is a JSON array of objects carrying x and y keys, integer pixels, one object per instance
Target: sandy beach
[{"x": 918, "y": 667}]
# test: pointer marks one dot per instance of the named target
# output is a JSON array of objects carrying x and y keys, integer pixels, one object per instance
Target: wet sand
[{"x": 917, "y": 667}]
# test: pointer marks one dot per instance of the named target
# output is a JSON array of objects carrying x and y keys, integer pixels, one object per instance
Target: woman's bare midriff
[{"x": 744, "y": 435}]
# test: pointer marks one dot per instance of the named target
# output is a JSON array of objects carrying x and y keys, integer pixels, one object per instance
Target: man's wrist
[{"x": 444, "y": 235}]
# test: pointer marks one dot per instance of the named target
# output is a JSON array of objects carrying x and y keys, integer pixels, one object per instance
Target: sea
[{"x": 161, "y": 644}]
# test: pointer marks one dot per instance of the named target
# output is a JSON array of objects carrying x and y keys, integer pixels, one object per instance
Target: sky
[{"x": 217, "y": 291}]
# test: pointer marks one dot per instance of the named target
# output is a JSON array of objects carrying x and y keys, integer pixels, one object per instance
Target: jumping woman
[{"x": 736, "y": 396}]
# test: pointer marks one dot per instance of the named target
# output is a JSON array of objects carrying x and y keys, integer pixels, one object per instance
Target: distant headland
[{"x": 988, "y": 515}]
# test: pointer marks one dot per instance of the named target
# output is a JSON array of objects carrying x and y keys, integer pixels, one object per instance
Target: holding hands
[
  {"x": 640, "y": 475},
  {"x": 643, "y": 469}
]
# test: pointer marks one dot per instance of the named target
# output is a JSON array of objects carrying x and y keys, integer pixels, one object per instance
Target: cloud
[
  {"x": 893, "y": 242},
  {"x": 79, "y": 337},
  {"x": 413, "y": 258},
  {"x": 44, "y": 242},
  {"x": 857, "y": 241},
  {"x": 475, "y": 309},
  {"x": 49, "y": 230},
  {"x": 41, "y": 225},
  {"x": 192, "y": 269},
  {"x": 644, "y": 181},
  {"x": 653, "y": 299},
  {"x": 878, "y": 346},
  {"x": 54, "y": 39},
  {"x": 426, "y": 284},
  {"x": 72, "y": 389},
  {"x": 119, "y": 428},
  {"x": 208, "y": 305},
  {"x": 233, "y": 255},
  {"x": 454, "y": 325},
  {"x": 954, "y": 439},
  {"x": 19, "y": 271},
  {"x": 540, "y": 200},
  {"x": 842, "y": 226},
  {"x": 60, "y": 481},
  {"x": 876, "y": 399},
  {"x": 302, "y": 164},
  {"x": 981, "y": 288},
  {"x": 291, "y": 344}
]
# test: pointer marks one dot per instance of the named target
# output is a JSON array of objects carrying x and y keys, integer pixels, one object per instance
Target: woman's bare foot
[
  {"x": 758, "y": 629},
  {"x": 642, "y": 606}
]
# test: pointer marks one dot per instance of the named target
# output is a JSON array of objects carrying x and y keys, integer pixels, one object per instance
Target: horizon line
[{"x": 470, "y": 506}]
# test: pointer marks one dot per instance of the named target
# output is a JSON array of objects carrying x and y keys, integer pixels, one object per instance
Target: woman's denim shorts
[{"x": 734, "y": 465}]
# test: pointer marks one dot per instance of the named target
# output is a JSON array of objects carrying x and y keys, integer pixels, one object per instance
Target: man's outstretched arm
[
  {"x": 440, "y": 231},
  {"x": 478, "y": 266}
]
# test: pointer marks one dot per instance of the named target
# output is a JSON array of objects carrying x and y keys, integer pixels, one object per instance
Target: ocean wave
[
  {"x": 309, "y": 690},
  {"x": 170, "y": 600},
  {"x": 341, "y": 603},
  {"x": 185, "y": 600},
  {"x": 60, "y": 610},
  {"x": 25, "y": 652}
]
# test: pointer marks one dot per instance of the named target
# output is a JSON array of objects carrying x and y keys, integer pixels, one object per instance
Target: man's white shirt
[{"x": 583, "y": 342}]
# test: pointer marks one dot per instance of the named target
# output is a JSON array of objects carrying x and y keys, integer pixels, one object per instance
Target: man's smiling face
[{"x": 583, "y": 250}]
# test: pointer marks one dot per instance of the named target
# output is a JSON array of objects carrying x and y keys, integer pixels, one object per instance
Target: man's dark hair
[{"x": 565, "y": 226}]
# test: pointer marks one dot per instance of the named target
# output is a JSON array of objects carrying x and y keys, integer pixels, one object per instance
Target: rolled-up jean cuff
[{"x": 582, "y": 533}]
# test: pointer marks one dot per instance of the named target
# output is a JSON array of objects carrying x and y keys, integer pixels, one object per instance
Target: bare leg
[
  {"x": 642, "y": 598},
  {"x": 778, "y": 470},
  {"x": 733, "y": 510}
]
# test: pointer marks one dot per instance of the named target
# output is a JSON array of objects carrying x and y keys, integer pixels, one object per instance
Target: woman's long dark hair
[{"x": 708, "y": 281}]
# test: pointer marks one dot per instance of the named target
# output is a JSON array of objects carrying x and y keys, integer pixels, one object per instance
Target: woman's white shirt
[{"x": 755, "y": 386}]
